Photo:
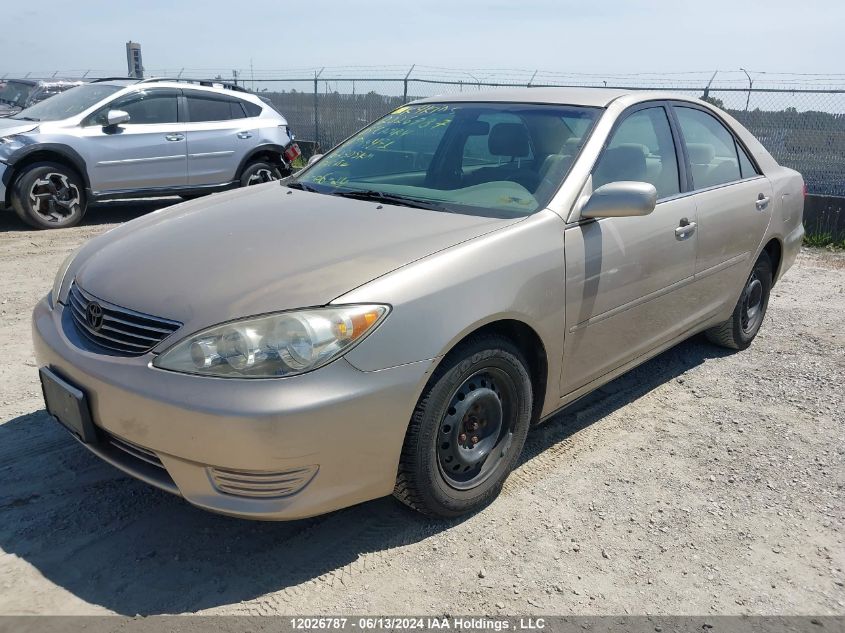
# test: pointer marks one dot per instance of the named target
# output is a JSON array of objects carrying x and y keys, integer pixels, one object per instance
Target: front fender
[{"x": 516, "y": 273}]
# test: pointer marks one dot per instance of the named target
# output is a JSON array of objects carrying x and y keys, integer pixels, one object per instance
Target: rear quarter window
[{"x": 251, "y": 109}]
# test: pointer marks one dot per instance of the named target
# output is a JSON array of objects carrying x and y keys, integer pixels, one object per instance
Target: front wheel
[
  {"x": 744, "y": 324},
  {"x": 467, "y": 430},
  {"x": 49, "y": 196},
  {"x": 259, "y": 172}
]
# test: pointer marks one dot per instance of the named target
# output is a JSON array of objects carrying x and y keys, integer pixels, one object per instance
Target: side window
[
  {"x": 145, "y": 107},
  {"x": 212, "y": 108},
  {"x": 504, "y": 134},
  {"x": 746, "y": 167},
  {"x": 641, "y": 149},
  {"x": 710, "y": 147}
]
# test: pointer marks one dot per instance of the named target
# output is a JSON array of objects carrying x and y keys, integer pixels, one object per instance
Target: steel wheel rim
[
  {"x": 260, "y": 176},
  {"x": 752, "y": 304},
  {"x": 476, "y": 432},
  {"x": 54, "y": 198}
]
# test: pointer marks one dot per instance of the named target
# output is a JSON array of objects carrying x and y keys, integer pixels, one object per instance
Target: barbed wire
[{"x": 715, "y": 78}]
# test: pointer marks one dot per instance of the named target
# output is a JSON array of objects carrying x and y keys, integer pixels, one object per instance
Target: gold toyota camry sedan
[{"x": 395, "y": 317}]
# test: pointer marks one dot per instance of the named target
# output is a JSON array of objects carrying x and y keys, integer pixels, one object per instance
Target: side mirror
[
  {"x": 116, "y": 117},
  {"x": 620, "y": 200},
  {"x": 314, "y": 159}
]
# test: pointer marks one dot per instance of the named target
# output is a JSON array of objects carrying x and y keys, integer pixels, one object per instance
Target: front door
[
  {"x": 629, "y": 280},
  {"x": 147, "y": 152}
]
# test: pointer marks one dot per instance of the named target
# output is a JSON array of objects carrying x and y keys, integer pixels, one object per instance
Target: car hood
[
  {"x": 261, "y": 249},
  {"x": 14, "y": 126}
]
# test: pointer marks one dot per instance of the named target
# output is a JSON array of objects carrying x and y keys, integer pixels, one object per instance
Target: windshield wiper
[
  {"x": 390, "y": 198},
  {"x": 24, "y": 118},
  {"x": 301, "y": 186}
]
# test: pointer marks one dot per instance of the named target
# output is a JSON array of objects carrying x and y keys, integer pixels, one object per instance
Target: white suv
[{"x": 128, "y": 138}]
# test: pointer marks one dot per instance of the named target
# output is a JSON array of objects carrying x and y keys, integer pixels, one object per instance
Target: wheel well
[
  {"x": 268, "y": 156},
  {"x": 529, "y": 343},
  {"x": 45, "y": 156},
  {"x": 773, "y": 250}
]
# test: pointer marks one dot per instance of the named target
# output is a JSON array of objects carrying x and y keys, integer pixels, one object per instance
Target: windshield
[
  {"x": 15, "y": 93},
  {"x": 68, "y": 103},
  {"x": 465, "y": 157}
]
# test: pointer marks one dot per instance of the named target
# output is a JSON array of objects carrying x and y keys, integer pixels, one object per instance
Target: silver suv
[{"x": 128, "y": 138}]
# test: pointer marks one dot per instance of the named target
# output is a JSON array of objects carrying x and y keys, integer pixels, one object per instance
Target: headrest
[
  {"x": 509, "y": 139},
  {"x": 621, "y": 163},
  {"x": 700, "y": 153},
  {"x": 637, "y": 146},
  {"x": 571, "y": 145}
]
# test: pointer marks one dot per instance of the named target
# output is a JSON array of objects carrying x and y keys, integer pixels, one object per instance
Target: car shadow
[
  {"x": 123, "y": 545},
  {"x": 99, "y": 213}
]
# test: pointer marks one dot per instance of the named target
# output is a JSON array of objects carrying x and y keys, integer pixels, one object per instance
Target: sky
[{"x": 587, "y": 36}]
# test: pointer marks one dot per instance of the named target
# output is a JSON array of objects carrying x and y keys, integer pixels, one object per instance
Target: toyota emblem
[{"x": 94, "y": 316}]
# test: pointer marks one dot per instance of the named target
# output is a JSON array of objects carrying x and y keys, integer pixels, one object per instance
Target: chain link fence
[
  {"x": 802, "y": 128},
  {"x": 800, "y": 119}
]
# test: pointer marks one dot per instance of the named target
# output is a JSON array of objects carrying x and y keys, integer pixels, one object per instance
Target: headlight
[
  {"x": 272, "y": 346},
  {"x": 60, "y": 277}
]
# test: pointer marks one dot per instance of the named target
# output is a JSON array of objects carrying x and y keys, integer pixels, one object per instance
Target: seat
[
  {"x": 626, "y": 162},
  {"x": 509, "y": 140},
  {"x": 701, "y": 157},
  {"x": 556, "y": 165}
]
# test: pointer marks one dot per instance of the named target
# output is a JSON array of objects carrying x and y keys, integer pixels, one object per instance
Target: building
[{"x": 133, "y": 60}]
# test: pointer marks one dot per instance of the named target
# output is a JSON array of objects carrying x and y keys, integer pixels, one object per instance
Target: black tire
[
  {"x": 744, "y": 324},
  {"x": 259, "y": 172},
  {"x": 49, "y": 196},
  {"x": 437, "y": 475}
]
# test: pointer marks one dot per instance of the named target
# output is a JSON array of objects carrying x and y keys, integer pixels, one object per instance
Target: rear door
[
  {"x": 220, "y": 135},
  {"x": 147, "y": 152},
  {"x": 629, "y": 280},
  {"x": 733, "y": 201}
]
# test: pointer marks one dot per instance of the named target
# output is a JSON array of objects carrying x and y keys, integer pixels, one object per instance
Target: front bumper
[{"x": 225, "y": 445}]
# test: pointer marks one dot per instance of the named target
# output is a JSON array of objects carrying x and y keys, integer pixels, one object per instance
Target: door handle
[
  {"x": 685, "y": 230},
  {"x": 762, "y": 202},
  {"x": 244, "y": 134},
  {"x": 175, "y": 137}
]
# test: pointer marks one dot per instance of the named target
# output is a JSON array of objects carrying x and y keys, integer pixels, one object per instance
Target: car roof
[
  {"x": 31, "y": 81},
  {"x": 209, "y": 85},
  {"x": 578, "y": 96}
]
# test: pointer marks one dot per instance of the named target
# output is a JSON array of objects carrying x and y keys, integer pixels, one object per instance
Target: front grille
[
  {"x": 138, "y": 452},
  {"x": 242, "y": 483},
  {"x": 117, "y": 329}
]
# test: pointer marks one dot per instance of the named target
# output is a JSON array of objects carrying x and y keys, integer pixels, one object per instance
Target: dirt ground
[{"x": 702, "y": 482}]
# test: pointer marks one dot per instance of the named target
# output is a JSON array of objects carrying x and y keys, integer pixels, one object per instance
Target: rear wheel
[
  {"x": 468, "y": 429},
  {"x": 738, "y": 331},
  {"x": 49, "y": 196},
  {"x": 259, "y": 172}
]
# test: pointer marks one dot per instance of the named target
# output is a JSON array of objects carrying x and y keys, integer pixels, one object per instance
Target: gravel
[{"x": 703, "y": 482}]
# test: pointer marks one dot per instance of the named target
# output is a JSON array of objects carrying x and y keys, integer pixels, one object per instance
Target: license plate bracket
[{"x": 68, "y": 405}]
